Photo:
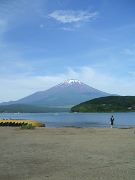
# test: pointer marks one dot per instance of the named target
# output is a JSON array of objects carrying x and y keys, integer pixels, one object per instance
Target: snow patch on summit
[{"x": 70, "y": 81}]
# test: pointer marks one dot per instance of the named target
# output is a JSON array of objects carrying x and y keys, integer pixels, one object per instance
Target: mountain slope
[
  {"x": 107, "y": 104},
  {"x": 69, "y": 93}
]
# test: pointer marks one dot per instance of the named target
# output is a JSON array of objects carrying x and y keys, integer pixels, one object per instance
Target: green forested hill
[{"x": 107, "y": 104}]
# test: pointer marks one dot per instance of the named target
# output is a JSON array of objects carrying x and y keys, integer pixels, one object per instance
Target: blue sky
[{"x": 44, "y": 42}]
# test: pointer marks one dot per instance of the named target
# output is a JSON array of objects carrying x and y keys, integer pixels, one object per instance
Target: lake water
[{"x": 88, "y": 120}]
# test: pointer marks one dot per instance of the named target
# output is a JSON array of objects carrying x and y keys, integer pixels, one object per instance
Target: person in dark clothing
[{"x": 112, "y": 121}]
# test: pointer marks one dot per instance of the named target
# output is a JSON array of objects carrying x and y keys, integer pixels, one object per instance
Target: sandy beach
[{"x": 67, "y": 154}]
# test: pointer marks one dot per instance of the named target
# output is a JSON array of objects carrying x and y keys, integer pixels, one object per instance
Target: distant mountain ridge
[{"x": 66, "y": 94}]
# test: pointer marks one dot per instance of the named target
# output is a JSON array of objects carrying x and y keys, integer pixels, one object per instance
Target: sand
[{"x": 67, "y": 154}]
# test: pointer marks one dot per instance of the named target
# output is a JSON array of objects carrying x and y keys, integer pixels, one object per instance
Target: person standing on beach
[{"x": 112, "y": 121}]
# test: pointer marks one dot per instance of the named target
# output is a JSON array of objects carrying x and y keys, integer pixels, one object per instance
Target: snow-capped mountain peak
[
  {"x": 68, "y": 93},
  {"x": 71, "y": 81}
]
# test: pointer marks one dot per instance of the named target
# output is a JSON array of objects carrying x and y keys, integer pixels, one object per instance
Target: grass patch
[{"x": 27, "y": 126}]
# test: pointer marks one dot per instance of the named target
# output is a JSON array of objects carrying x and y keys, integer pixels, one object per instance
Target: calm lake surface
[{"x": 77, "y": 119}]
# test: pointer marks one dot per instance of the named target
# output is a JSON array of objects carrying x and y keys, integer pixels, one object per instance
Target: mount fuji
[{"x": 67, "y": 94}]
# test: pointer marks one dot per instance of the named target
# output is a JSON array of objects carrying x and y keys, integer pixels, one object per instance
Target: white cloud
[
  {"x": 70, "y": 16},
  {"x": 20, "y": 86}
]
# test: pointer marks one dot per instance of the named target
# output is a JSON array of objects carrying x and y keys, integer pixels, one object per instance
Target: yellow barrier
[{"x": 20, "y": 122}]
